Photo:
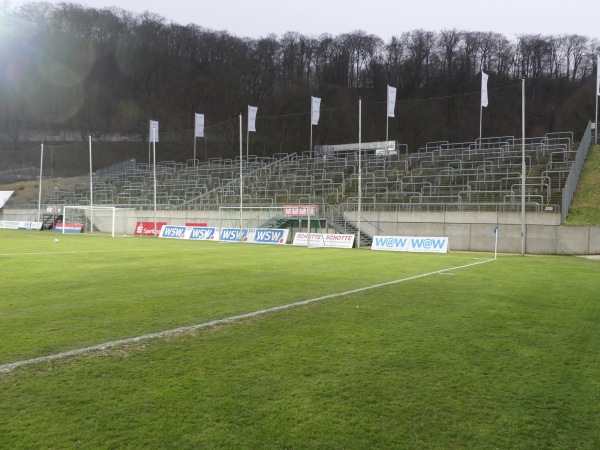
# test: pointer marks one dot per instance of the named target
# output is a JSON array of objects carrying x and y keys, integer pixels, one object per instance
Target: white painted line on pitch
[
  {"x": 145, "y": 337},
  {"x": 76, "y": 252}
]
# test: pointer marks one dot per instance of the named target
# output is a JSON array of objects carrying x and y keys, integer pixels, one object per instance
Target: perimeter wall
[{"x": 465, "y": 231}]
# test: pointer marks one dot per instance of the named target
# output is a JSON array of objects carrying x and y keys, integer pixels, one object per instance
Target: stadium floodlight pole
[
  {"x": 154, "y": 172},
  {"x": 241, "y": 181},
  {"x": 40, "y": 183},
  {"x": 359, "y": 168},
  {"x": 91, "y": 188},
  {"x": 523, "y": 169}
]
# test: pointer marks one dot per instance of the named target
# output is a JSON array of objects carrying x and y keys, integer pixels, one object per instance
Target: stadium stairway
[{"x": 337, "y": 220}]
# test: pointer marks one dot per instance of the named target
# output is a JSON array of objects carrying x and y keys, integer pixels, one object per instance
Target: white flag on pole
[
  {"x": 252, "y": 118},
  {"x": 484, "y": 89},
  {"x": 391, "y": 101},
  {"x": 315, "y": 110},
  {"x": 199, "y": 125},
  {"x": 153, "y": 133},
  {"x": 598, "y": 76}
]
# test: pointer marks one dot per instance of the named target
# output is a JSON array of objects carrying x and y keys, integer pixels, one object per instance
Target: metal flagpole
[
  {"x": 241, "y": 180},
  {"x": 387, "y": 116},
  {"x": 40, "y": 188},
  {"x": 359, "y": 168},
  {"x": 310, "y": 154},
  {"x": 195, "y": 139},
  {"x": 480, "y": 122},
  {"x": 523, "y": 170},
  {"x": 154, "y": 172},
  {"x": 597, "y": 95},
  {"x": 91, "y": 189},
  {"x": 311, "y": 128}
]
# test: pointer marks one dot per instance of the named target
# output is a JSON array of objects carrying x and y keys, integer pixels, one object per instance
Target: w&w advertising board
[{"x": 410, "y": 244}]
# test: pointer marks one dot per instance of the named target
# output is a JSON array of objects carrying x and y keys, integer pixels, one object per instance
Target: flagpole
[
  {"x": 149, "y": 143},
  {"x": 391, "y": 105},
  {"x": 597, "y": 95},
  {"x": 359, "y": 168},
  {"x": 154, "y": 173},
  {"x": 195, "y": 139},
  {"x": 480, "y": 122},
  {"x": 241, "y": 180},
  {"x": 523, "y": 169},
  {"x": 310, "y": 154},
  {"x": 91, "y": 189},
  {"x": 40, "y": 188}
]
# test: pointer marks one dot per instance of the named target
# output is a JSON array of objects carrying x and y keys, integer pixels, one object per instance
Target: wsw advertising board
[
  {"x": 410, "y": 244},
  {"x": 249, "y": 235},
  {"x": 272, "y": 236},
  {"x": 189, "y": 233}
]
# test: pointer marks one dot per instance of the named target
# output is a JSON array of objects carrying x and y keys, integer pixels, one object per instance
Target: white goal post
[{"x": 101, "y": 218}]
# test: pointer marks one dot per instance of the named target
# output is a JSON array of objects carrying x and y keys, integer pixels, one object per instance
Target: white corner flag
[
  {"x": 484, "y": 89},
  {"x": 391, "y": 101},
  {"x": 153, "y": 133},
  {"x": 199, "y": 125},
  {"x": 252, "y": 118},
  {"x": 315, "y": 110}
]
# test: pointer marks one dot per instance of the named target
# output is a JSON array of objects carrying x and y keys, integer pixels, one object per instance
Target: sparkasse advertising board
[{"x": 410, "y": 244}]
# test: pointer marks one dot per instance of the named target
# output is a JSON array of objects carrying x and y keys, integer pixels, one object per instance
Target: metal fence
[{"x": 575, "y": 173}]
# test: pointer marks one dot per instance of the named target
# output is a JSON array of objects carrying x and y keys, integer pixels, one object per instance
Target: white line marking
[
  {"x": 145, "y": 337},
  {"x": 76, "y": 252}
]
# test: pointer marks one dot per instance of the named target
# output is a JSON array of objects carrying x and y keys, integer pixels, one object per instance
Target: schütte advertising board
[{"x": 326, "y": 240}]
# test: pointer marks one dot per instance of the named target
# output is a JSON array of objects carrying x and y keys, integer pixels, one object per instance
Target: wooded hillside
[{"x": 69, "y": 68}]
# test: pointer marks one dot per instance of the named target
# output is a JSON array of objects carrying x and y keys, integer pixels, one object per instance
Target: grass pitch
[{"x": 496, "y": 355}]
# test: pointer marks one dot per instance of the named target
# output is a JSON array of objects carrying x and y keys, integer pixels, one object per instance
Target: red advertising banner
[
  {"x": 299, "y": 210},
  {"x": 147, "y": 228}
]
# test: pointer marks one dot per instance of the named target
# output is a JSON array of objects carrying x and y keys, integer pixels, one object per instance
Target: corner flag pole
[{"x": 496, "y": 243}]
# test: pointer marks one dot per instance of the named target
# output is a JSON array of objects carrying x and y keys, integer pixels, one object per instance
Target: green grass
[
  {"x": 497, "y": 355},
  {"x": 585, "y": 209}
]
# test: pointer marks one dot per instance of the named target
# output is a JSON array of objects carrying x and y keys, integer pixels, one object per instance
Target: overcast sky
[{"x": 384, "y": 18}]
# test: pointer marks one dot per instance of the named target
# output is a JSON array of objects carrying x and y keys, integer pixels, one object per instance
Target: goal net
[
  {"x": 93, "y": 219},
  {"x": 265, "y": 224}
]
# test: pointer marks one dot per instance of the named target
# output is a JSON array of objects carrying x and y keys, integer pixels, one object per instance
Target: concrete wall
[{"x": 466, "y": 231}]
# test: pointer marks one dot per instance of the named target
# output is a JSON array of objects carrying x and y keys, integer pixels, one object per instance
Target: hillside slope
[{"x": 586, "y": 203}]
